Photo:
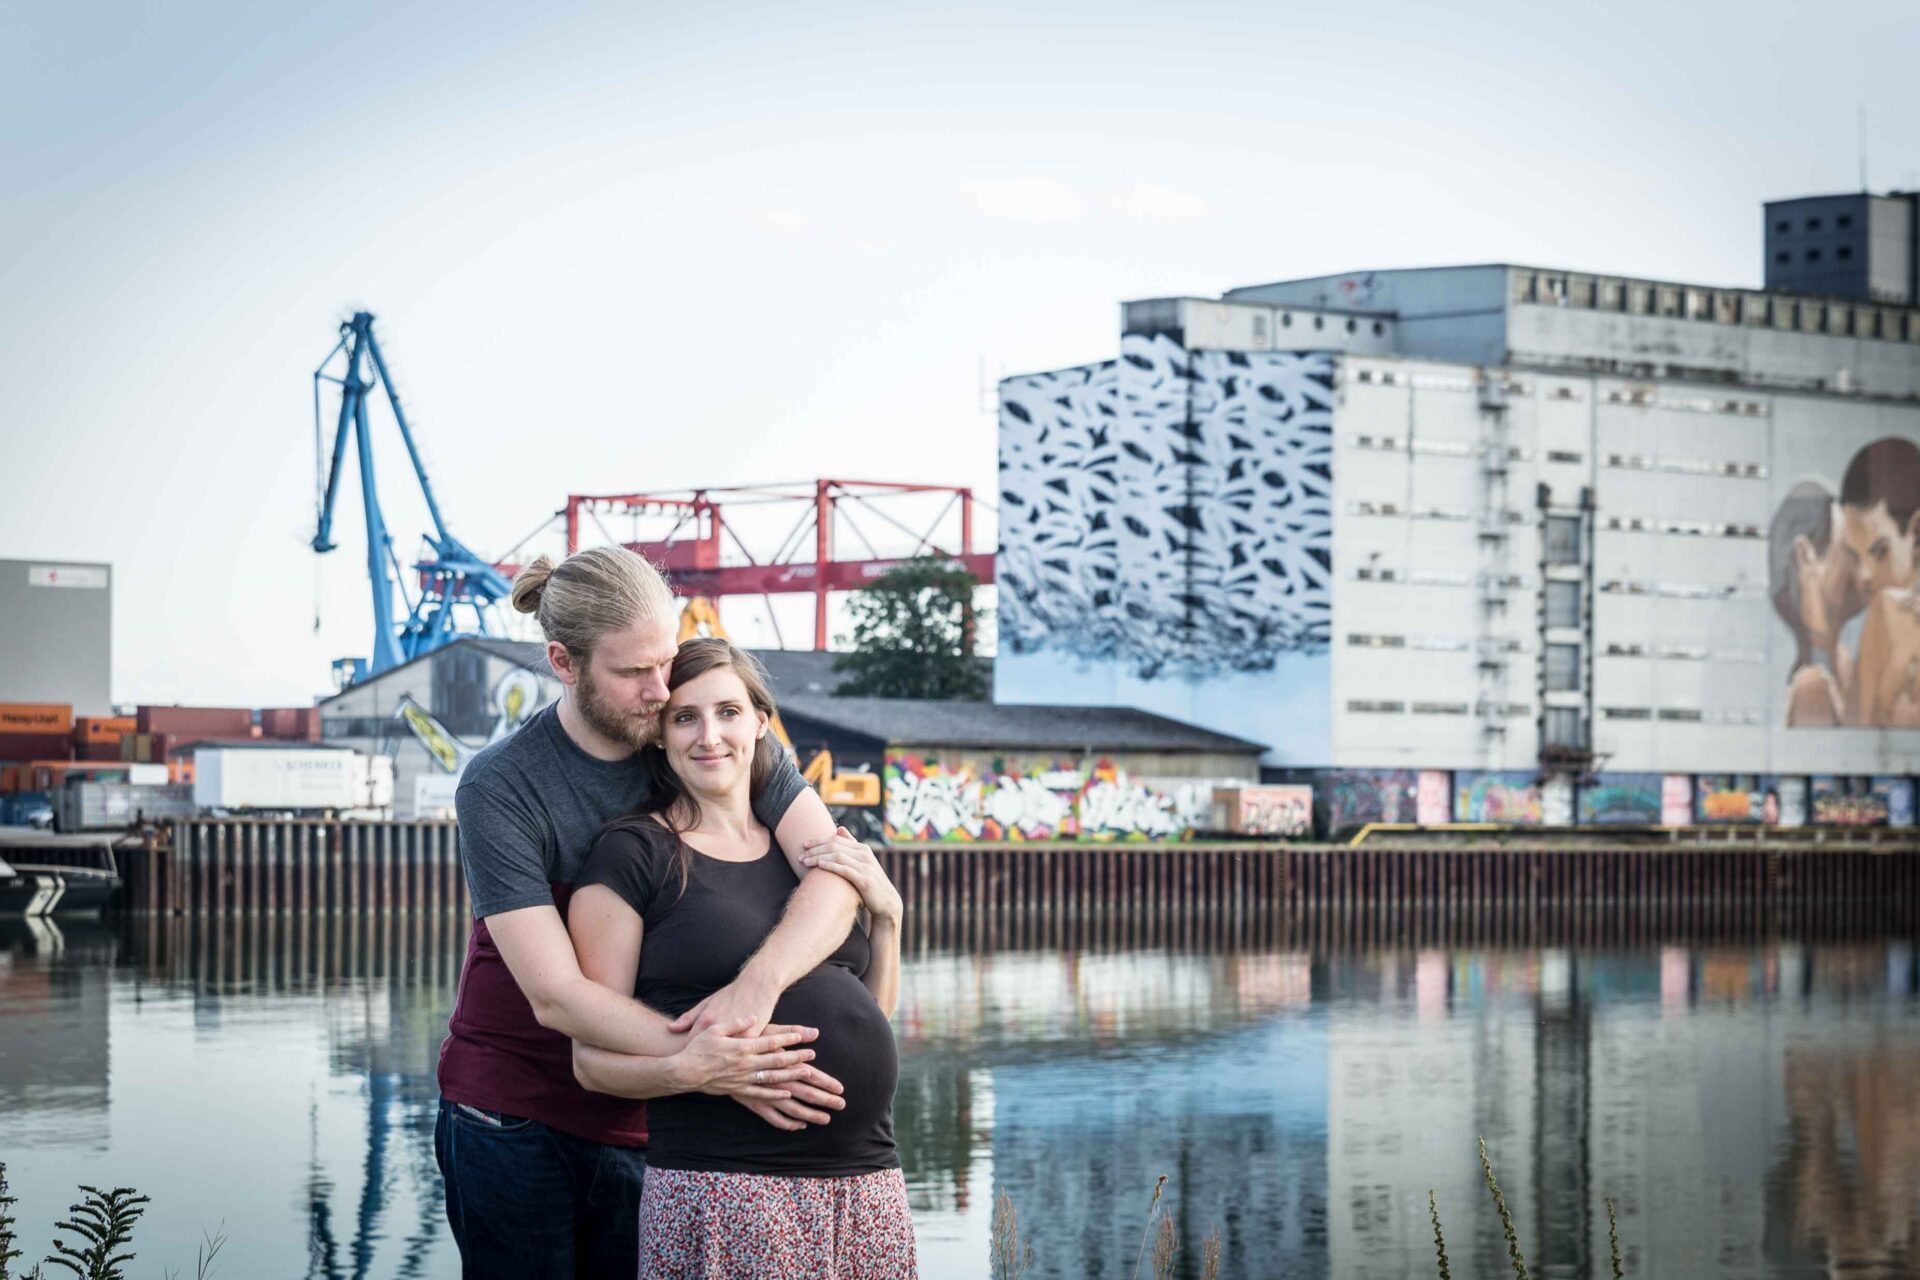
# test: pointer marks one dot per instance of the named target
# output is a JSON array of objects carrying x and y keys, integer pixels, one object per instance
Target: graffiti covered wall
[
  {"x": 1166, "y": 540},
  {"x": 1002, "y": 797}
]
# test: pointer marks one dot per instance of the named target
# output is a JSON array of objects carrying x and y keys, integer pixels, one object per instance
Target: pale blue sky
[{"x": 615, "y": 247}]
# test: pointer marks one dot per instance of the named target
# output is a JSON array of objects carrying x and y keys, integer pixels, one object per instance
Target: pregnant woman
[{"x": 672, "y": 903}]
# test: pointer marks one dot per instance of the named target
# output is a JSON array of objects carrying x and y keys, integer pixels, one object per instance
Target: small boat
[{"x": 79, "y": 883}]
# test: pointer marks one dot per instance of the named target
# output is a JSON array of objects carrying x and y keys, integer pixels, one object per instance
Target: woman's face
[{"x": 709, "y": 730}]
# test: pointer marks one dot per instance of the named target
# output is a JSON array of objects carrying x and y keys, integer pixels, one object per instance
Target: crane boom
[{"x": 455, "y": 578}]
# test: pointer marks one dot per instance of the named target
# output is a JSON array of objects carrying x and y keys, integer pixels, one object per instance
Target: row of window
[
  {"x": 1682, "y": 590},
  {"x": 1319, "y": 324},
  {"x": 1439, "y": 644},
  {"x": 1785, "y": 225},
  {"x": 1685, "y": 715},
  {"x": 1692, "y": 528},
  {"x": 1395, "y": 706},
  {"x": 1435, "y": 577},
  {"x": 1648, "y": 398},
  {"x": 1719, "y": 306},
  {"x": 1685, "y": 466},
  {"x": 1681, "y": 652},
  {"x": 1842, "y": 254},
  {"x": 1363, "y": 507}
]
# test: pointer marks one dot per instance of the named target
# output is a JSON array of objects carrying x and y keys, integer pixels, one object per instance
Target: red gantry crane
[{"x": 832, "y": 516}]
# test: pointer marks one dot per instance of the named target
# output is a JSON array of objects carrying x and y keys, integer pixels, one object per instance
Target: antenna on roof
[{"x": 1863, "y": 149}]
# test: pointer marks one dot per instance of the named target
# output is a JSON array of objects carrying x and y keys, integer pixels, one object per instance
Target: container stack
[
  {"x": 103, "y": 772},
  {"x": 32, "y": 735}
]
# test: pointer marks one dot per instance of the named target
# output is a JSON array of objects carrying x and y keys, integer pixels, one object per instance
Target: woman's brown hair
[{"x": 668, "y": 802}]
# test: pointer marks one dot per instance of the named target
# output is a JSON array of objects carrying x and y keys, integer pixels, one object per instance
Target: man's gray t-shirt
[{"x": 531, "y": 804}]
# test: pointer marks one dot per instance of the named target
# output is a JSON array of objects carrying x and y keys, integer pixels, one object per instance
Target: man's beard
[{"x": 630, "y": 730}]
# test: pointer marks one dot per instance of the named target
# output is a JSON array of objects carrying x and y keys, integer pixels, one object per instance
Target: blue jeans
[{"x": 527, "y": 1202}]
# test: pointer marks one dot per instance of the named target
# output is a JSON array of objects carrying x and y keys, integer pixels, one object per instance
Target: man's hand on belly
[{"x": 814, "y": 1096}]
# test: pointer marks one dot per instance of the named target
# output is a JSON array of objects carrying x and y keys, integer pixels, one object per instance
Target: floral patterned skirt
[{"x": 751, "y": 1226}]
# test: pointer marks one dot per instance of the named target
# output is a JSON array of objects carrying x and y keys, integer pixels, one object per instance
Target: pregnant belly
[
  {"x": 855, "y": 1046},
  {"x": 698, "y": 1131}
]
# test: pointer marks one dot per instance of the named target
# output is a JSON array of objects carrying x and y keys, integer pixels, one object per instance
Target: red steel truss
[{"x": 692, "y": 550}]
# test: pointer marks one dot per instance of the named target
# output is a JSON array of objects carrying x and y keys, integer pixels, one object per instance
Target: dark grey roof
[
  {"x": 525, "y": 653},
  {"x": 810, "y": 671},
  {"x": 987, "y": 724}
]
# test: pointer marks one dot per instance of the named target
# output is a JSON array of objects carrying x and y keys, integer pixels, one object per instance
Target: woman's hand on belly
[
  {"x": 725, "y": 1061},
  {"x": 811, "y": 1100}
]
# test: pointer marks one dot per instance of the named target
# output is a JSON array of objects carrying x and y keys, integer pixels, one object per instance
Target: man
[
  {"x": 543, "y": 1178},
  {"x": 1815, "y": 595},
  {"x": 1880, "y": 523}
]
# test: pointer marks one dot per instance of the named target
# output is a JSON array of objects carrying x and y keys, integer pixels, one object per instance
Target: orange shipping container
[
  {"x": 36, "y": 717},
  {"x": 9, "y": 778},
  {"x": 98, "y": 729}
]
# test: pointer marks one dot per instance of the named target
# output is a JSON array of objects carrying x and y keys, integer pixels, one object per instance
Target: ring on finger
[{"x": 759, "y": 1077}]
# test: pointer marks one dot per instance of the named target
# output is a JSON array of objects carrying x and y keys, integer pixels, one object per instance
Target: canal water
[{"x": 1750, "y": 1105}]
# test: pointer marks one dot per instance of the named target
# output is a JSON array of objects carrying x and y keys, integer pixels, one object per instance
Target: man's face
[
  {"x": 1883, "y": 552},
  {"x": 623, "y": 685}
]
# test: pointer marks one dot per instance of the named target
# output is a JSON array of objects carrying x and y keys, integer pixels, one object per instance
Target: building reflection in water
[{"x": 1749, "y": 1106}]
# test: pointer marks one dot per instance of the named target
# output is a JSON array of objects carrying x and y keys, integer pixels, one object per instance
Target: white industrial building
[{"x": 1517, "y": 524}]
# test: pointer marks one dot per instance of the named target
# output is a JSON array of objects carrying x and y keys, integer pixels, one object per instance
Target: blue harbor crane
[{"x": 454, "y": 579}]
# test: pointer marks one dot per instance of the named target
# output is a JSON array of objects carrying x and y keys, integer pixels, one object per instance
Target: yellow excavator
[{"x": 701, "y": 617}]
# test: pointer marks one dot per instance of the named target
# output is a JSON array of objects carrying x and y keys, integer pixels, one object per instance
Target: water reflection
[{"x": 1748, "y": 1104}]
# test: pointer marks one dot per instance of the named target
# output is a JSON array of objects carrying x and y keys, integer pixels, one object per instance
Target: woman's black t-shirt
[{"x": 694, "y": 943}]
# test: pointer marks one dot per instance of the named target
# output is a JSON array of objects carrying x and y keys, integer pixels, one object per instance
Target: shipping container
[
  {"x": 95, "y": 751},
  {"x": 95, "y": 730},
  {"x": 47, "y": 775},
  {"x": 36, "y": 717},
  {"x": 297, "y": 724},
  {"x": 288, "y": 779},
  {"x": 196, "y": 722},
  {"x": 35, "y": 746},
  {"x": 105, "y": 806}
]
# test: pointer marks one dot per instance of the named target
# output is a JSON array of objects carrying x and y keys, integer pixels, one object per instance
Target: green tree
[{"x": 912, "y": 635}]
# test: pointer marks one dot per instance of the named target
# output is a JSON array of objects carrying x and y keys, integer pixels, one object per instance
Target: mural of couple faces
[{"x": 1843, "y": 575}]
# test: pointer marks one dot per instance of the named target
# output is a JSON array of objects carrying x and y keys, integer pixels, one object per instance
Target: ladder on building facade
[{"x": 1494, "y": 579}]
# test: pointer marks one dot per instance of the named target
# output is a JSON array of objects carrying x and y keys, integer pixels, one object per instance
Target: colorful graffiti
[
  {"x": 1265, "y": 811},
  {"x": 1434, "y": 808},
  {"x": 1850, "y": 802},
  {"x": 1513, "y": 798},
  {"x": 1621, "y": 799},
  {"x": 1720, "y": 798},
  {"x": 1356, "y": 797},
  {"x": 1002, "y": 798}
]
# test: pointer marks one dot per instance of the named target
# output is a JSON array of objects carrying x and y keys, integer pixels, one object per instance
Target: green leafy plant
[
  {"x": 1613, "y": 1238},
  {"x": 7, "y": 1252},
  {"x": 1439, "y": 1241},
  {"x": 1506, "y": 1219},
  {"x": 1146, "y": 1232},
  {"x": 101, "y": 1225},
  {"x": 1010, "y": 1258},
  {"x": 911, "y": 635}
]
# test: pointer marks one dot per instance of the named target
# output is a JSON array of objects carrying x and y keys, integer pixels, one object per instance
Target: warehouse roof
[
  {"x": 986, "y": 724},
  {"x": 810, "y": 671}
]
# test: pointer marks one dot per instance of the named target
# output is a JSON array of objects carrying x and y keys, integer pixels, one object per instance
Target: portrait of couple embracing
[{"x": 671, "y": 1052}]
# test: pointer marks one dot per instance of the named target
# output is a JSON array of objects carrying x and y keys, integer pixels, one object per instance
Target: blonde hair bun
[{"x": 530, "y": 584}]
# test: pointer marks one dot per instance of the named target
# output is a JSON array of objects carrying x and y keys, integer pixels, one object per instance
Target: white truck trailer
[{"x": 303, "y": 780}]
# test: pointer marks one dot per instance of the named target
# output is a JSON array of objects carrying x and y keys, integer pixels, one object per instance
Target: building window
[
  {"x": 1378, "y": 328},
  {"x": 1783, "y": 226},
  {"x": 1319, "y": 322},
  {"x": 1286, "y": 319},
  {"x": 1352, "y": 325},
  {"x": 1260, "y": 328},
  {"x": 1640, "y": 299},
  {"x": 1563, "y": 727},
  {"x": 1840, "y": 320},
  {"x": 1844, "y": 221},
  {"x": 1563, "y": 539},
  {"x": 1844, "y": 252},
  {"x": 1783, "y": 256},
  {"x": 1813, "y": 224},
  {"x": 1563, "y": 668},
  {"x": 1563, "y": 604},
  {"x": 1813, "y": 255}
]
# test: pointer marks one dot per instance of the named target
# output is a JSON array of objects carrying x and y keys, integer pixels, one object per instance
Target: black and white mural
[
  {"x": 1170, "y": 511},
  {"x": 1166, "y": 529}
]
